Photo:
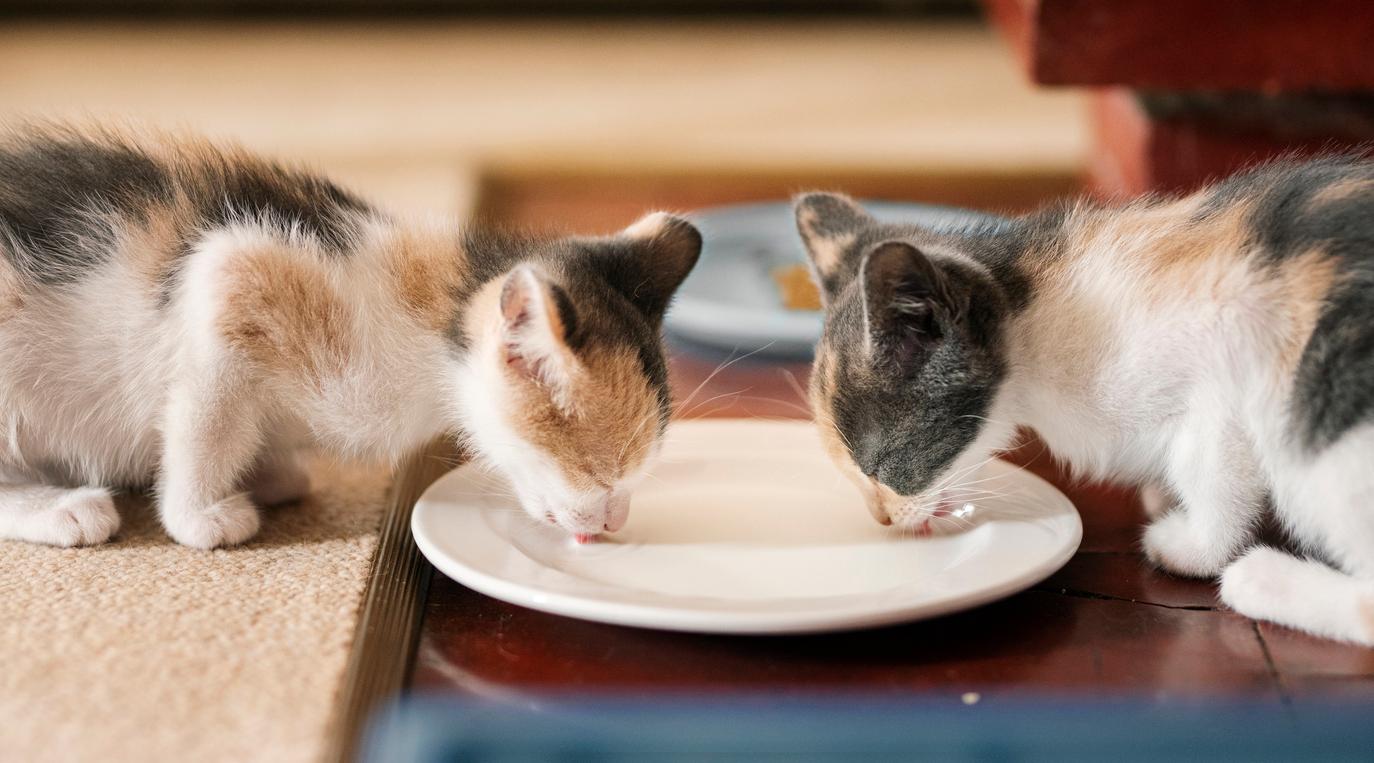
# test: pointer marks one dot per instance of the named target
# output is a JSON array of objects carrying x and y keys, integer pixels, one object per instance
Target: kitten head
[
  {"x": 573, "y": 387},
  {"x": 910, "y": 363}
]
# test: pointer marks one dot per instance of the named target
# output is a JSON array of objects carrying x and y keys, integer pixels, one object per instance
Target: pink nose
[{"x": 617, "y": 510}]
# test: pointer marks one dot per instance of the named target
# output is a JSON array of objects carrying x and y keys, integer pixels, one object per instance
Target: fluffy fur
[
  {"x": 1217, "y": 350},
  {"x": 184, "y": 316}
]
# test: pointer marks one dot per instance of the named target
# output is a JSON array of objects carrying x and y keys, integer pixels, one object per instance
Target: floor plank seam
[
  {"x": 1272, "y": 667},
  {"x": 1081, "y": 594}
]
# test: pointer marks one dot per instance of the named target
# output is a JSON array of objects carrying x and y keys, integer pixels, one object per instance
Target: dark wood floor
[{"x": 1106, "y": 624}]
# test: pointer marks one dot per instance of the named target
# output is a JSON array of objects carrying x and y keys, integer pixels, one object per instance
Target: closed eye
[{"x": 599, "y": 481}]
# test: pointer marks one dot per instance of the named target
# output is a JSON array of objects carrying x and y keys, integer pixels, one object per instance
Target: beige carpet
[{"x": 144, "y": 650}]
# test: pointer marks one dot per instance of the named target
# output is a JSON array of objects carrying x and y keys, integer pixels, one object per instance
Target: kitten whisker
[{"x": 724, "y": 365}]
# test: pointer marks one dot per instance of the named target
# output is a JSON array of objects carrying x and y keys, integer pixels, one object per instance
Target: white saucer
[{"x": 747, "y": 527}]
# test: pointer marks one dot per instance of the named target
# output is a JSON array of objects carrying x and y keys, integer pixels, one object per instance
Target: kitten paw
[
  {"x": 284, "y": 483},
  {"x": 1254, "y": 583},
  {"x": 1175, "y": 546},
  {"x": 81, "y": 517},
  {"x": 226, "y": 523}
]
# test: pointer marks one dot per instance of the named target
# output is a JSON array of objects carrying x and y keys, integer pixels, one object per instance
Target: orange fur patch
[
  {"x": 1342, "y": 190},
  {"x": 11, "y": 295},
  {"x": 152, "y": 245},
  {"x": 826, "y": 250},
  {"x": 282, "y": 312},
  {"x": 612, "y": 423},
  {"x": 1305, "y": 283},
  {"x": 879, "y": 499},
  {"x": 1161, "y": 237},
  {"x": 425, "y": 272},
  {"x": 1366, "y": 610},
  {"x": 822, "y": 391},
  {"x": 1173, "y": 254},
  {"x": 1190, "y": 242}
]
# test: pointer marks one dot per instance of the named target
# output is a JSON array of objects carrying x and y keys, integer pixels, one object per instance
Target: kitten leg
[
  {"x": 278, "y": 478},
  {"x": 210, "y": 439},
  {"x": 1157, "y": 500},
  {"x": 57, "y": 516},
  {"x": 1220, "y": 493},
  {"x": 1267, "y": 584},
  {"x": 1325, "y": 503}
]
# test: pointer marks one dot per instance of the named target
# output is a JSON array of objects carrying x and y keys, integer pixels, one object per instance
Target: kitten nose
[
  {"x": 875, "y": 505},
  {"x": 617, "y": 510}
]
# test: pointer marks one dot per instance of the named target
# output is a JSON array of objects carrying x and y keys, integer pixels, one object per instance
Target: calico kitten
[
  {"x": 187, "y": 316},
  {"x": 1217, "y": 350}
]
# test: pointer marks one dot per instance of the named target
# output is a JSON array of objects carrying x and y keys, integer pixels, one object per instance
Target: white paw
[
  {"x": 1253, "y": 584},
  {"x": 1173, "y": 544},
  {"x": 81, "y": 517},
  {"x": 226, "y": 523},
  {"x": 280, "y": 484}
]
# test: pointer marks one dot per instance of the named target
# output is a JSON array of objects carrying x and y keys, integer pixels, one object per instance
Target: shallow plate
[
  {"x": 730, "y": 301},
  {"x": 746, "y": 527}
]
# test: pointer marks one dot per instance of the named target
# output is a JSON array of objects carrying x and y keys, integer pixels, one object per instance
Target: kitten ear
[
  {"x": 668, "y": 246},
  {"x": 829, "y": 224},
  {"x": 536, "y": 320},
  {"x": 907, "y": 302}
]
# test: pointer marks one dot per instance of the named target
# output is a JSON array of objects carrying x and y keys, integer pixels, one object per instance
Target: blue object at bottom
[{"x": 571, "y": 728}]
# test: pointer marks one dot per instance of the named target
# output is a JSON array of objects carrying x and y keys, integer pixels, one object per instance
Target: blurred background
[{"x": 569, "y": 114}]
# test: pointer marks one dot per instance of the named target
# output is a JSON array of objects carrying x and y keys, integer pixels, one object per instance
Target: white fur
[
  {"x": 1183, "y": 392},
  {"x": 102, "y": 388},
  {"x": 57, "y": 516}
]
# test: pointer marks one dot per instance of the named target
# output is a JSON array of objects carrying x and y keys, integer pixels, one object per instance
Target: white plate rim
[{"x": 765, "y": 622}]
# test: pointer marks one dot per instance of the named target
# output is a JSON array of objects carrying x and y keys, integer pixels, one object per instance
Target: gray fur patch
[
  {"x": 56, "y": 192},
  {"x": 1334, "y": 388}
]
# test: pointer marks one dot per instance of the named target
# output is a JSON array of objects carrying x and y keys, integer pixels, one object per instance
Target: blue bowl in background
[{"x": 730, "y": 301}]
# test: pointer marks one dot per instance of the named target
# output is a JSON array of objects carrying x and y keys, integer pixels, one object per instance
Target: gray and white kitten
[
  {"x": 186, "y": 316},
  {"x": 1216, "y": 350}
]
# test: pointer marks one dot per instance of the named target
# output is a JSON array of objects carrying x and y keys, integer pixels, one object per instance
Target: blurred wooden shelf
[
  {"x": 583, "y": 201},
  {"x": 739, "y": 95},
  {"x": 1175, "y": 142},
  {"x": 1265, "y": 45}
]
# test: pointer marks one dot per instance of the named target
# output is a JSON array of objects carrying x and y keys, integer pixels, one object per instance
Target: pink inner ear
[
  {"x": 515, "y": 312},
  {"x": 522, "y": 364},
  {"x": 519, "y": 313}
]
